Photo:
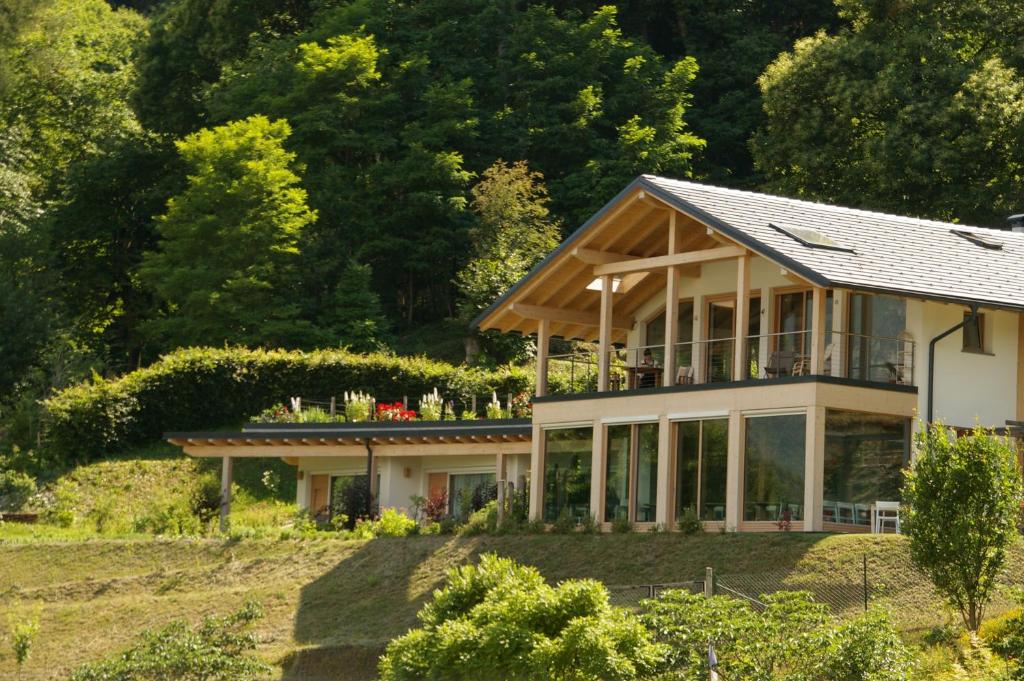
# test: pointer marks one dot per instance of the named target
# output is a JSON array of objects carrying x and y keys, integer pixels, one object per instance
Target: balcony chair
[
  {"x": 886, "y": 513},
  {"x": 685, "y": 375},
  {"x": 845, "y": 513},
  {"x": 780, "y": 363}
]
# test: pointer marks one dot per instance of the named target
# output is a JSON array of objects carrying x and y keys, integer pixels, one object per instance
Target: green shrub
[
  {"x": 392, "y": 523},
  {"x": 202, "y": 388},
  {"x": 589, "y": 525},
  {"x": 15, "y": 490},
  {"x": 483, "y": 521},
  {"x": 63, "y": 504},
  {"x": 218, "y": 649},
  {"x": 501, "y": 620},
  {"x": 170, "y": 516},
  {"x": 622, "y": 525},
  {"x": 22, "y": 632},
  {"x": 1005, "y": 634},
  {"x": 690, "y": 522},
  {"x": 565, "y": 523}
]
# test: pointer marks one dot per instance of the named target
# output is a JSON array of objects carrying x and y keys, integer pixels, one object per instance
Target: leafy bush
[
  {"x": 1005, "y": 634},
  {"x": 975, "y": 662},
  {"x": 15, "y": 490},
  {"x": 171, "y": 516},
  {"x": 22, "y": 632},
  {"x": 501, "y": 620},
  {"x": 64, "y": 500},
  {"x": 197, "y": 388},
  {"x": 392, "y": 523},
  {"x": 219, "y": 649},
  {"x": 482, "y": 521},
  {"x": 792, "y": 638},
  {"x": 622, "y": 525},
  {"x": 565, "y": 523},
  {"x": 690, "y": 522}
]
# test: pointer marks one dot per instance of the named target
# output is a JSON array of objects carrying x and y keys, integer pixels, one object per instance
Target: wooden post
[
  {"x": 840, "y": 342},
  {"x": 709, "y": 582},
  {"x": 537, "y": 474},
  {"x": 499, "y": 469},
  {"x": 597, "y": 471},
  {"x": 605, "y": 335},
  {"x": 334, "y": 405},
  {"x": 814, "y": 469},
  {"x": 740, "y": 366},
  {"x": 543, "y": 341},
  {"x": 663, "y": 512},
  {"x": 817, "y": 350},
  {"x": 671, "y": 308},
  {"x": 734, "y": 472},
  {"x": 699, "y": 351},
  {"x": 226, "y": 473},
  {"x": 1020, "y": 367},
  {"x": 472, "y": 405}
]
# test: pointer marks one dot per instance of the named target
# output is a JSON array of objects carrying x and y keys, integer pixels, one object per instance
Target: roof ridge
[{"x": 829, "y": 206}]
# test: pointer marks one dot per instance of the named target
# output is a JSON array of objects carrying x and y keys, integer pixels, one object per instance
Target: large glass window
[
  {"x": 701, "y": 463},
  {"x": 773, "y": 467},
  {"x": 616, "y": 487},
  {"x": 864, "y": 459},
  {"x": 567, "y": 463},
  {"x": 876, "y": 323},
  {"x": 654, "y": 335},
  {"x": 646, "y": 472},
  {"x": 794, "y": 316},
  {"x": 631, "y": 473},
  {"x": 469, "y": 492}
]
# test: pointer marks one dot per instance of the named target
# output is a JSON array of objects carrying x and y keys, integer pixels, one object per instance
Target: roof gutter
[
  {"x": 369, "y": 479},
  {"x": 931, "y": 357}
]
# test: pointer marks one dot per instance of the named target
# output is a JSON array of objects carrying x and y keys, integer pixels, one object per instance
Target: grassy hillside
[{"x": 331, "y": 604}]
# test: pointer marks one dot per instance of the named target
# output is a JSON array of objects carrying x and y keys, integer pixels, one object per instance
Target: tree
[
  {"x": 226, "y": 267},
  {"x": 499, "y": 619},
  {"x": 962, "y": 501},
  {"x": 916, "y": 108},
  {"x": 513, "y": 231},
  {"x": 354, "y": 319},
  {"x": 23, "y": 634}
]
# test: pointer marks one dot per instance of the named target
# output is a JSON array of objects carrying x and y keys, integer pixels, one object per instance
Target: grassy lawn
[{"x": 332, "y": 604}]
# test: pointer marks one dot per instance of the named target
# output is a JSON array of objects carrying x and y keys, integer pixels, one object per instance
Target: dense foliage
[
  {"x": 500, "y": 619},
  {"x": 962, "y": 498},
  {"x": 218, "y": 649},
  {"x": 196, "y": 389},
  {"x": 915, "y": 108}
]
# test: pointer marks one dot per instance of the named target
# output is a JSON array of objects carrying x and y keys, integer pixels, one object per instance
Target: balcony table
[{"x": 637, "y": 376}]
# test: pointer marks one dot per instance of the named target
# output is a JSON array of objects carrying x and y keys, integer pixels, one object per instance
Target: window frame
[{"x": 979, "y": 322}]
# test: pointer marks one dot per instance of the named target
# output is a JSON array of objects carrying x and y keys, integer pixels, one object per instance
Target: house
[{"x": 756, "y": 361}]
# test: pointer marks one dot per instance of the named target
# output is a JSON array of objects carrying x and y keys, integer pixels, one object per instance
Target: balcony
[{"x": 873, "y": 359}]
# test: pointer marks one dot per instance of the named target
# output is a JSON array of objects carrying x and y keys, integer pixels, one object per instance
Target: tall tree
[
  {"x": 226, "y": 267},
  {"x": 916, "y": 108},
  {"x": 513, "y": 231}
]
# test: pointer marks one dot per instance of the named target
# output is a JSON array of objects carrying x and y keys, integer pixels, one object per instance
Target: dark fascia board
[
  {"x": 752, "y": 383},
  {"x": 374, "y": 429}
]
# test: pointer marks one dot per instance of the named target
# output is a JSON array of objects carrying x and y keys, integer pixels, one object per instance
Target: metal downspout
[
  {"x": 369, "y": 479},
  {"x": 931, "y": 358}
]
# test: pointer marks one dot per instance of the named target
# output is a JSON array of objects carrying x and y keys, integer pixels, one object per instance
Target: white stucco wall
[{"x": 969, "y": 387}]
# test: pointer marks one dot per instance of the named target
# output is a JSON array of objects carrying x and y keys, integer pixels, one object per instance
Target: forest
[{"x": 369, "y": 174}]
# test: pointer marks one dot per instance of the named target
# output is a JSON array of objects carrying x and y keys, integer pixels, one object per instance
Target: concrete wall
[{"x": 969, "y": 387}]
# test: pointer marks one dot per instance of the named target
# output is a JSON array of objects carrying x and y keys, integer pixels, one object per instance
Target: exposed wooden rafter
[
  {"x": 664, "y": 261},
  {"x": 556, "y": 314}
]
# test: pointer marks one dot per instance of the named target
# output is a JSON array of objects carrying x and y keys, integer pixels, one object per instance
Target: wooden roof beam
[
  {"x": 664, "y": 261},
  {"x": 592, "y": 256},
  {"x": 577, "y": 317}
]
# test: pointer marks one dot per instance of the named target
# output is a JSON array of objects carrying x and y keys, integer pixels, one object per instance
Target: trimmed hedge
[{"x": 203, "y": 388}]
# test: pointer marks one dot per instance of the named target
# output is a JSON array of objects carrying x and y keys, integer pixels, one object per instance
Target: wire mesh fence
[{"x": 630, "y": 595}]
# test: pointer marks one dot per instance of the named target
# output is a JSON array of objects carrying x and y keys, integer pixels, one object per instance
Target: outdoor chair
[
  {"x": 886, "y": 514},
  {"x": 685, "y": 376},
  {"x": 845, "y": 513},
  {"x": 780, "y": 363}
]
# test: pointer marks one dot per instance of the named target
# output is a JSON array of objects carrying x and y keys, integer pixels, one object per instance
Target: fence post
[
  {"x": 709, "y": 582},
  {"x": 334, "y": 404},
  {"x": 865, "y": 582},
  {"x": 472, "y": 405}
]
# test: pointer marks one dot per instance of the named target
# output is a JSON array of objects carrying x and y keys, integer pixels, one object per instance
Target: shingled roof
[
  {"x": 876, "y": 252},
  {"x": 890, "y": 253}
]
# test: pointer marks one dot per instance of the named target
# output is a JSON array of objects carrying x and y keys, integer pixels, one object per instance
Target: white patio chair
[
  {"x": 887, "y": 514},
  {"x": 845, "y": 512}
]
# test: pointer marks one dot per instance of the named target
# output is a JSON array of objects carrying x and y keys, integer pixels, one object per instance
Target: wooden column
[
  {"x": 699, "y": 351},
  {"x": 537, "y": 474},
  {"x": 817, "y": 349},
  {"x": 840, "y": 343},
  {"x": 671, "y": 325},
  {"x": 740, "y": 366},
  {"x": 543, "y": 341},
  {"x": 814, "y": 468},
  {"x": 671, "y": 307},
  {"x": 499, "y": 476},
  {"x": 226, "y": 474},
  {"x": 597, "y": 472},
  {"x": 664, "y": 513},
  {"x": 605, "y": 334},
  {"x": 734, "y": 472}
]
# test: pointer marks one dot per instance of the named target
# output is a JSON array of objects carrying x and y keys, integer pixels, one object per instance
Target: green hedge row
[{"x": 203, "y": 388}]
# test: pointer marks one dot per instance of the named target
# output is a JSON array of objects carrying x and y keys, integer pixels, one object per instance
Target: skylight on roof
[
  {"x": 596, "y": 284},
  {"x": 812, "y": 238},
  {"x": 983, "y": 240}
]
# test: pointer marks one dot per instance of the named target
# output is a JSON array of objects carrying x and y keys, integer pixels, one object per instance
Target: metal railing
[{"x": 877, "y": 359}]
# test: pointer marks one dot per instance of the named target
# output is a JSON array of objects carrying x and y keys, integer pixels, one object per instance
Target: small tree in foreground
[
  {"x": 216, "y": 650},
  {"x": 962, "y": 500},
  {"x": 23, "y": 635}
]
